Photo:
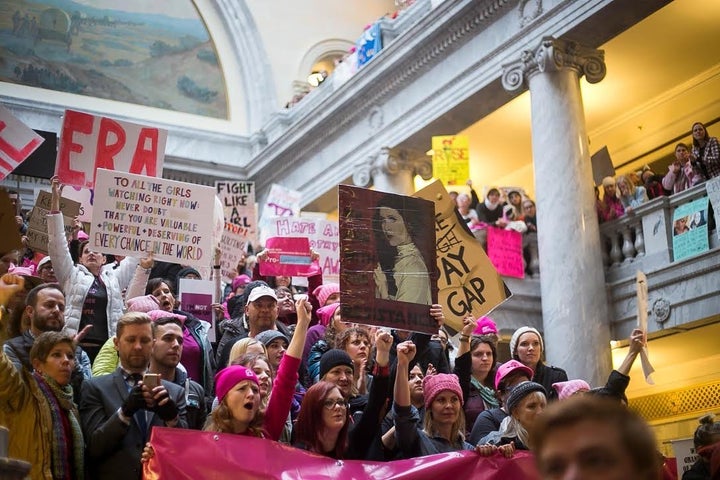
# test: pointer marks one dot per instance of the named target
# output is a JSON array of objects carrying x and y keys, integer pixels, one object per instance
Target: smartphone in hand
[{"x": 152, "y": 380}]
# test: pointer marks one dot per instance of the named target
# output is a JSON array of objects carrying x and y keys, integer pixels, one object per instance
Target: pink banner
[
  {"x": 189, "y": 455},
  {"x": 288, "y": 256},
  {"x": 504, "y": 247}
]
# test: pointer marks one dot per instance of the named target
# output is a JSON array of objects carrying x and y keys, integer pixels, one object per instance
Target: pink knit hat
[
  {"x": 434, "y": 384},
  {"x": 324, "y": 291},
  {"x": 326, "y": 313},
  {"x": 240, "y": 281},
  {"x": 157, "y": 314},
  {"x": 83, "y": 236},
  {"x": 509, "y": 367},
  {"x": 486, "y": 326},
  {"x": 143, "y": 304},
  {"x": 570, "y": 388},
  {"x": 230, "y": 376}
]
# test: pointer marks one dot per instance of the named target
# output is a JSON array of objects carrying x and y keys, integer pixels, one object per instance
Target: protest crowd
[{"x": 98, "y": 354}]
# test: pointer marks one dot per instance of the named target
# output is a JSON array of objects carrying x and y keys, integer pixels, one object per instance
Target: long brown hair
[{"x": 309, "y": 423}]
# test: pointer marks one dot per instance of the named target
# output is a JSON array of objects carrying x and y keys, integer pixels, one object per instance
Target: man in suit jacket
[{"x": 118, "y": 411}]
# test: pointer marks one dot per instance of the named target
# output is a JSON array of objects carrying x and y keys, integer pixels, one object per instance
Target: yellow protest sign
[
  {"x": 468, "y": 282},
  {"x": 451, "y": 159}
]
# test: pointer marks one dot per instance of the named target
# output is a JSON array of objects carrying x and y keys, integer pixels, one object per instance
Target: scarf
[
  {"x": 490, "y": 205},
  {"x": 60, "y": 401},
  {"x": 486, "y": 393}
]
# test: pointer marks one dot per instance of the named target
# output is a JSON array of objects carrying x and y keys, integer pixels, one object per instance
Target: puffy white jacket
[{"x": 76, "y": 280}]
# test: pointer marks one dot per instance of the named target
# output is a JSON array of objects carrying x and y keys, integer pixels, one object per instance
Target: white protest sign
[
  {"x": 17, "y": 142},
  {"x": 84, "y": 196},
  {"x": 238, "y": 201},
  {"x": 324, "y": 236},
  {"x": 89, "y": 142},
  {"x": 280, "y": 202},
  {"x": 233, "y": 244},
  {"x": 135, "y": 214},
  {"x": 712, "y": 187}
]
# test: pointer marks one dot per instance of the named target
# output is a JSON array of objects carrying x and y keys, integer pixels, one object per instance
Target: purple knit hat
[{"x": 434, "y": 384}]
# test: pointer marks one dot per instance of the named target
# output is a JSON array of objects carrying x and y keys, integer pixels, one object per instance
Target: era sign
[{"x": 89, "y": 142}]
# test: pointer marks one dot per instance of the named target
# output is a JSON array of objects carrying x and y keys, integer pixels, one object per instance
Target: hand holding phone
[{"x": 152, "y": 380}]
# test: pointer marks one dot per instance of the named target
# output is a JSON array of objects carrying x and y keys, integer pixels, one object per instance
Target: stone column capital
[
  {"x": 391, "y": 162},
  {"x": 553, "y": 55}
]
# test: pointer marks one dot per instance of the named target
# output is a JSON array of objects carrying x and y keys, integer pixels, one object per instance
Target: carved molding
[
  {"x": 660, "y": 309},
  {"x": 553, "y": 55},
  {"x": 529, "y": 10},
  {"x": 390, "y": 161}
]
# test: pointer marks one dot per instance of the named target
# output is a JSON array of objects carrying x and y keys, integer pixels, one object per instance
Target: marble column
[
  {"x": 392, "y": 170},
  {"x": 572, "y": 280}
]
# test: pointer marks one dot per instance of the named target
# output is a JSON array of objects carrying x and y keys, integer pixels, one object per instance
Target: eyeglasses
[{"x": 331, "y": 404}]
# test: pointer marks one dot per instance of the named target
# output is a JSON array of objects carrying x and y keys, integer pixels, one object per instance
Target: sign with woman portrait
[{"x": 388, "y": 272}]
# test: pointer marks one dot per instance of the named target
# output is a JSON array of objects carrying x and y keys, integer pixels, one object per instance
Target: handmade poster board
[{"x": 17, "y": 142}]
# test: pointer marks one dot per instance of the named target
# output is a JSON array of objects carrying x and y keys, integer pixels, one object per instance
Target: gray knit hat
[
  {"x": 516, "y": 336},
  {"x": 520, "y": 391},
  {"x": 266, "y": 337}
]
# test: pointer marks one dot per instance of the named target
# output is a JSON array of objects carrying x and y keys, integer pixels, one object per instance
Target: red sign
[
  {"x": 188, "y": 455},
  {"x": 17, "y": 142},
  {"x": 504, "y": 247},
  {"x": 288, "y": 256},
  {"x": 89, "y": 142}
]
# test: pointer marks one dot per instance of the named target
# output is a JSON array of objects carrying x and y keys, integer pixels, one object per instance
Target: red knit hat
[{"x": 434, "y": 384}]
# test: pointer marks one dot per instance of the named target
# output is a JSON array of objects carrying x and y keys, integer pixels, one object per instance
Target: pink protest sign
[
  {"x": 288, "y": 256},
  {"x": 89, "y": 142},
  {"x": 17, "y": 142},
  {"x": 189, "y": 454},
  {"x": 505, "y": 252}
]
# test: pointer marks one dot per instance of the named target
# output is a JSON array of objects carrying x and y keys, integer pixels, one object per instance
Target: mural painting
[{"x": 156, "y": 54}]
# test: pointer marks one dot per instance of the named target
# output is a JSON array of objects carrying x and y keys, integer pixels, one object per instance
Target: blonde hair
[
  {"x": 456, "y": 432},
  {"x": 240, "y": 347},
  {"x": 626, "y": 179}
]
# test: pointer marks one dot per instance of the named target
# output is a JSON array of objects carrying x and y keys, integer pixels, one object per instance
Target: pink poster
[
  {"x": 288, "y": 256},
  {"x": 504, "y": 247},
  {"x": 188, "y": 455}
]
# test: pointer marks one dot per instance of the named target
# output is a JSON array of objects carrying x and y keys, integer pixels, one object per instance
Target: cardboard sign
[
  {"x": 468, "y": 282},
  {"x": 690, "y": 229},
  {"x": 84, "y": 196},
  {"x": 189, "y": 454},
  {"x": 387, "y": 259},
  {"x": 196, "y": 297},
  {"x": 37, "y": 236},
  {"x": 451, "y": 159},
  {"x": 134, "y": 215},
  {"x": 324, "y": 236},
  {"x": 233, "y": 244},
  {"x": 504, "y": 248},
  {"x": 238, "y": 201},
  {"x": 17, "y": 142},
  {"x": 601, "y": 165},
  {"x": 10, "y": 239},
  {"x": 90, "y": 142},
  {"x": 288, "y": 256}
]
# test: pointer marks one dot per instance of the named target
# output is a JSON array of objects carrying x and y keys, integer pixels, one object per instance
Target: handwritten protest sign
[
  {"x": 387, "y": 259},
  {"x": 37, "y": 236},
  {"x": 690, "y": 229},
  {"x": 233, "y": 244},
  {"x": 196, "y": 297},
  {"x": 288, "y": 256},
  {"x": 188, "y": 455},
  {"x": 135, "y": 214},
  {"x": 238, "y": 201},
  {"x": 504, "y": 248},
  {"x": 17, "y": 142},
  {"x": 324, "y": 237},
  {"x": 280, "y": 202},
  {"x": 451, "y": 159},
  {"x": 712, "y": 187},
  {"x": 90, "y": 142},
  {"x": 10, "y": 239},
  {"x": 84, "y": 196},
  {"x": 468, "y": 283}
]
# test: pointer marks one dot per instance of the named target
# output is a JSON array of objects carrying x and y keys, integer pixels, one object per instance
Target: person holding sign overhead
[
  {"x": 401, "y": 273},
  {"x": 93, "y": 294}
]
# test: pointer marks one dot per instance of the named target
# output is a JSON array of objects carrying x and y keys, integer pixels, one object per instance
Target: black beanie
[
  {"x": 332, "y": 358},
  {"x": 520, "y": 391}
]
